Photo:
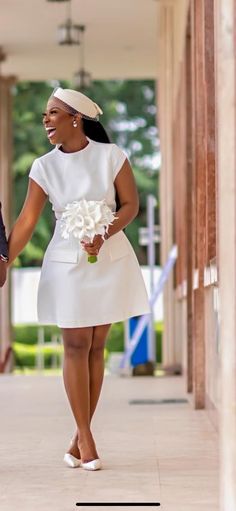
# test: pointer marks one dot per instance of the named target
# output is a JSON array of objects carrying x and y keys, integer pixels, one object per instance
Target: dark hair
[{"x": 96, "y": 131}]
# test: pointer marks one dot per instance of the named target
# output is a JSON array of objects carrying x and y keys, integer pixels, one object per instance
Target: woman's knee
[
  {"x": 99, "y": 339},
  {"x": 77, "y": 342},
  {"x": 97, "y": 348}
]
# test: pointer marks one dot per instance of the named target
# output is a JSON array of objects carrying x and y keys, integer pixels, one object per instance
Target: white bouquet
[{"x": 84, "y": 219}]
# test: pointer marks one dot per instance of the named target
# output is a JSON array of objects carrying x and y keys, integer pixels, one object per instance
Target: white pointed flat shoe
[
  {"x": 71, "y": 461},
  {"x": 92, "y": 465}
]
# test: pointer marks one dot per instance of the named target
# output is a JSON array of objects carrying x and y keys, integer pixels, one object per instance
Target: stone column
[
  {"x": 199, "y": 180},
  {"x": 226, "y": 100},
  {"x": 165, "y": 107},
  {"x": 5, "y": 197},
  {"x": 189, "y": 208}
]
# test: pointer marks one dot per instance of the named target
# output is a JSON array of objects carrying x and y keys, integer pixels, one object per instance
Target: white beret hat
[{"x": 79, "y": 102}]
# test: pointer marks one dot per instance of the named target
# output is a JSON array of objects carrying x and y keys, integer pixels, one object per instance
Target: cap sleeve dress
[{"x": 73, "y": 292}]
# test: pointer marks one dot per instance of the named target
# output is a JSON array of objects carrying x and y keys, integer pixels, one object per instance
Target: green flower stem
[{"x": 92, "y": 259}]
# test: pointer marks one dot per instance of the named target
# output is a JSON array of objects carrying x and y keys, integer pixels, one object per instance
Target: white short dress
[{"x": 73, "y": 292}]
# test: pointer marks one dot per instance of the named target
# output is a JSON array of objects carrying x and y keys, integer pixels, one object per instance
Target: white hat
[{"x": 79, "y": 102}]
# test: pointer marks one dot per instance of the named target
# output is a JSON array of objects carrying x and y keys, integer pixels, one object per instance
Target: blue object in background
[{"x": 140, "y": 354}]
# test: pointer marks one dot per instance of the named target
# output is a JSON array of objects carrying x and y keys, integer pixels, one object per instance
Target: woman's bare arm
[
  {"x": 26, "y": 221},
  {"x": 128, "y": 196}
]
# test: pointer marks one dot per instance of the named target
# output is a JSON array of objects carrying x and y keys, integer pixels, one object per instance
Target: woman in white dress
[{"x": 83, "y": 299}]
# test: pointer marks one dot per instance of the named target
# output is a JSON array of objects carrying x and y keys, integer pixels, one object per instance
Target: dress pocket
[
  {"x": 63, "y": 256},
  {"x": 119, "y": 246}
]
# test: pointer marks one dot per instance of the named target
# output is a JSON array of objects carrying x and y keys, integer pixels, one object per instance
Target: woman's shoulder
[
  {"x": 99, "y": 145},
  {"x": 114, "y": 155},
  {"x": 40, "y": 169},
  {"x": 47, "y": 157},
  {"x": 107, "y": 147}
]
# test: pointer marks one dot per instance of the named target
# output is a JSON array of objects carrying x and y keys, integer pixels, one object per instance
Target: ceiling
[{"x": 120, "y": 39}]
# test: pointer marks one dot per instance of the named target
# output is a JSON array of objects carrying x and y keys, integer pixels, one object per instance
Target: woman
[{"x": 83, "y": 299}]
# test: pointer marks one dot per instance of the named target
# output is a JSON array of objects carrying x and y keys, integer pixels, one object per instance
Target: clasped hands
[{"x": 93, "y": 247}]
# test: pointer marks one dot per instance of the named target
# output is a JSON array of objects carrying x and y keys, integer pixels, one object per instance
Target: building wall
[
  {"x": 188, "y": 179},
  {"x": 225, "y": 15},
  {"x": 197, "y": 98}
]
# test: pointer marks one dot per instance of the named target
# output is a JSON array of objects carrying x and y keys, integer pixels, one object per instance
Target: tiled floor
[{"x": 156, "y": 452}]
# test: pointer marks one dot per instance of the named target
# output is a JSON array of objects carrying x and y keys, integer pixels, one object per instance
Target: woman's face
[{"x": 58, "y": 122}]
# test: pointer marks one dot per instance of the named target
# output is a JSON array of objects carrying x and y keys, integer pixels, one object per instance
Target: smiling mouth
[{"x": 50, "y": 132}]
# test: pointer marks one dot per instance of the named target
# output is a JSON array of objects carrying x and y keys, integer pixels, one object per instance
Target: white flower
[{"x": 84, "y": 219}]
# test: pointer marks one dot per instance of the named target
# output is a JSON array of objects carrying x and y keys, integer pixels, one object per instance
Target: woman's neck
[{"x": 72, "y": 146}]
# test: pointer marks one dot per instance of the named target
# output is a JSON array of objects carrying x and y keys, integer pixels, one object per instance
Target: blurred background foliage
[
  {"x": 25, "y": 345},
  {"x": 130, "y": 120}
]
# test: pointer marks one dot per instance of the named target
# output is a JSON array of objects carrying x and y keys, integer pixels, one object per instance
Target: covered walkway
[
  {"x": 151, "y": 452},
  {"x": 158, "y": 451}
]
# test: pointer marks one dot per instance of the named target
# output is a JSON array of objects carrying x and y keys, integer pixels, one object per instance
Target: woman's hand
[{"x": 94, "y": 247}]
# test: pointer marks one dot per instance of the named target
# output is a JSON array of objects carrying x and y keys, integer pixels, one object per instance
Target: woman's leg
[
  {"x": 77, "y": 344},
  {"x": 96, "y": 364},
  {"x": 96, "y": 373}
]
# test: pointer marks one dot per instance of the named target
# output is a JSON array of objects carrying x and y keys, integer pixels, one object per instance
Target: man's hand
[
  {"x": 3, "y": 272},
  {"x": 94, "y": 247}
]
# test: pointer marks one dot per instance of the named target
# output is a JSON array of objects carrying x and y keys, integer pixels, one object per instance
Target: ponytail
[{"x": 95, "y": 131}]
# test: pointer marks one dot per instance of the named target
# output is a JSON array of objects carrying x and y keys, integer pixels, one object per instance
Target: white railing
[{"x": 143, "y": 322}]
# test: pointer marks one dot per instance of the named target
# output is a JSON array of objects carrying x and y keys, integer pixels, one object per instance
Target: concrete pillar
[
  {"x": 226, "y": 100},
  {"x": 200, "y": 179},
  {"x": 179, "y": 180},
  {"x": 5, "y": 197},
  {"x": 210, "y": 79},
  {"x": 165, "y": 105},
  {"x": 189, "y": 207},
  {"x": 199, "y": 243}
]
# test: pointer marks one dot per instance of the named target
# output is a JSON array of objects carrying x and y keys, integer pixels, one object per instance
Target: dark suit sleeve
[{"x": 3, "y": 240}]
